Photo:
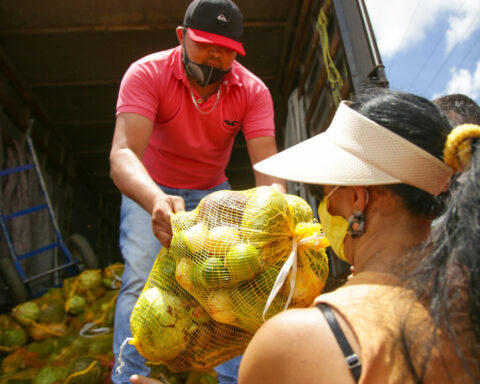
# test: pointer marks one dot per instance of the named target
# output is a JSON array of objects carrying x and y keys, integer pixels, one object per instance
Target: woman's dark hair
[
  {"x": 419, "y": 121},
  {"x": 449, "y": 274},
  {"x": 460, "y": 109}
]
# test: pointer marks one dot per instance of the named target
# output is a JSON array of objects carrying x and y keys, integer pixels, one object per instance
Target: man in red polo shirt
[{"x": 178, "y": 112}]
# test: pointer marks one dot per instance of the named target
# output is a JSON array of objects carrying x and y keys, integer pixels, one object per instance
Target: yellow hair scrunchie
[{"x": 458, "y": 147}]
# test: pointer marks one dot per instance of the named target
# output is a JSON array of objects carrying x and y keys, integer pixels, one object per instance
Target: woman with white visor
[{"x": 380, "y": 178}]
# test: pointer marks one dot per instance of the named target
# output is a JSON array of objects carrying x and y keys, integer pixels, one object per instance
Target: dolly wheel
[
  {"x": 82, "y": 250},
  {"x": 13, "y": 280}
]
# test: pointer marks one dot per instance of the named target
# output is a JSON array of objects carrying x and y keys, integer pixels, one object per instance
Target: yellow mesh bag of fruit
[{"x": 240, "y": 257}]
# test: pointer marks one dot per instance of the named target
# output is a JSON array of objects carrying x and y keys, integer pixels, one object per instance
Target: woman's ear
[
  {"x": 360, "y": 199},
  {"x": 180, "y": 31}
]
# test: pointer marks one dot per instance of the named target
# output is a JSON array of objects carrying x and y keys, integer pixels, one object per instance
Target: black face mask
[{"x": 203, "y": 74}]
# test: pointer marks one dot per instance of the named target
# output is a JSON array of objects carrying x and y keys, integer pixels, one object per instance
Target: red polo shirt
[{"x": 188, "y": 149}]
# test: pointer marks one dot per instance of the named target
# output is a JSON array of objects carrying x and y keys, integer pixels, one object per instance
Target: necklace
[{"x": 197, "y": 106}]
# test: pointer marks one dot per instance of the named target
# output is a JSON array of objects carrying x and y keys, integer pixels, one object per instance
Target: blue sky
[{"x": 429, "y": 47}]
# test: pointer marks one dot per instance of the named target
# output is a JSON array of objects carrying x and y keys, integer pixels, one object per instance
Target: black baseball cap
[{"x": 217, "y": 22}]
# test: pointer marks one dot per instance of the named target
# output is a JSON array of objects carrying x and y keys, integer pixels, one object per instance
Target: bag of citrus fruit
[{"x": 240, "y": 257}]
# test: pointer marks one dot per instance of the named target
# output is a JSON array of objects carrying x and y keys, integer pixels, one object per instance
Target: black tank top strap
[{"x": 353, "y": 362}]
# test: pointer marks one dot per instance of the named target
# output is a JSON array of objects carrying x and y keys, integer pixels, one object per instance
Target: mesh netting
[
  {"x": 84, "y": 370},
  {"x": 236, "y": 260}
]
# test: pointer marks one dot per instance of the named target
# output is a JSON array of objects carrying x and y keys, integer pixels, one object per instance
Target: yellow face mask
[{"x": 334, "y": 227}]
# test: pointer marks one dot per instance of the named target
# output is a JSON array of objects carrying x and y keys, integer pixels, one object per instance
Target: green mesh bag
[{"x": 236, "y": 260}]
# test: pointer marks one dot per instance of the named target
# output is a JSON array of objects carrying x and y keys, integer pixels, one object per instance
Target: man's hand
[
  {"x": 163, "y": 207},
  {"x": 279, "y": 187},
  {"x": 137, "y": 379}
]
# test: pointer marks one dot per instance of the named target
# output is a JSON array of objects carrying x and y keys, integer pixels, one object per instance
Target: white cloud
[
  {"x": 464, "y": 81},
  {"x": 401, "y": 24},
  {"x": 462, "y": 25}
]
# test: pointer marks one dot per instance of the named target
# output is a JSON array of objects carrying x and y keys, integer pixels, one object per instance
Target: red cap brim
[{"x": 212, "y": 38}]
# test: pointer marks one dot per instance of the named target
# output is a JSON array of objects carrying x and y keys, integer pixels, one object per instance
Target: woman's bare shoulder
[{"x": 295, "y": 346}]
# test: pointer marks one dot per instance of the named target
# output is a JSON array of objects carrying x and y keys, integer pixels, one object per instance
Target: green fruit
[
  {"x": 14, "y": 337},
  {"x": 100, "y": 344},
  {"x": 91, "y": 278},
  {"x": 104, "y": 310},
  {"x": 159, "y": 324},
  {"x": 195, "y": 237},
  {"x": 178, "y": 246},
  {"x": 6, "y": 321},
  {"x": 76, "y": 304},
  {"x": 266, "y": 216},
  {"x": 196, "y": 276},
  {"x": 90, "y": 369},
  {"x": 299, "y": 209},
  {"x": 27, "y": 312},
  {"x": 208, "y": 379},
  {"x": 220, "y": 307},
  {"x": 165, "y": 263},
  {"x": 164, "y": 268},
  {"x": 79, "y": 344},
  {"x": 263, "y": 283},
  {"x": 222, "y": 208},
  {"x": 248, "y": 307},
  {"x": 243, "y": 261},
  {"x": 183, "y": 274},
  {"x": 50, "y": 375},
  {"x": 107, "y": 283},
  {"x": 250, "y": 300},
  {"x": 214, "y": 272},
  {"x": 42, "y": 348},
  {"x": 220, "y": 239},
  {"x": 51, "y": 312}
]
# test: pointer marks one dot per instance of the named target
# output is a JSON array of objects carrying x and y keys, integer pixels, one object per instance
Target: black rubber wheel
[
  {"x": 82, "y": 250},
  {"x": 14, "y": 282}
]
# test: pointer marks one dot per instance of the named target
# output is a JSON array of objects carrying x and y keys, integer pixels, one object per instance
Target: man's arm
[
  {"x": 260, "y": 148},
  {"x": 130, "y": 139}
]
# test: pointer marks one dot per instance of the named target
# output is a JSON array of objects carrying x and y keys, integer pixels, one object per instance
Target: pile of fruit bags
[{"x": 65, "y": 335}]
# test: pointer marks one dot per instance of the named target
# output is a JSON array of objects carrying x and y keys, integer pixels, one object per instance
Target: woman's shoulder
[{"x": 295, "y": 346}]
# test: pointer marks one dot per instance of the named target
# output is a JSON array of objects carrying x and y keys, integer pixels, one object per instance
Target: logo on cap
[{"x": 222, "y": 18}]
